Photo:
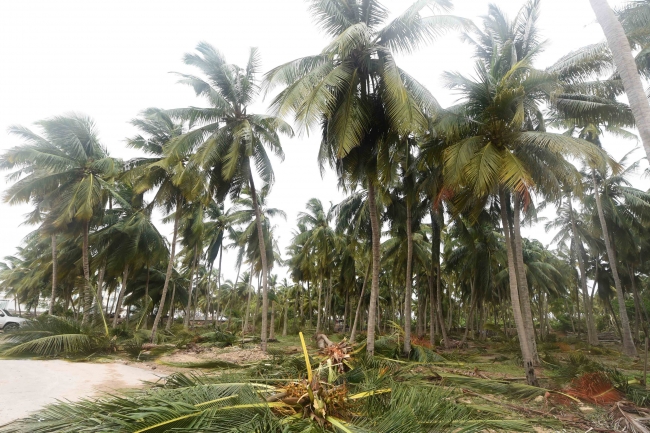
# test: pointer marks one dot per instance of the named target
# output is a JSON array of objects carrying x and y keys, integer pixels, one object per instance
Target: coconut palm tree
[
  {"x": 355, "y": 92},
  {"x": 131, "y": 243},
  {"x": 626, "y": 67},
  {"x": 572, "y": 230},
  {"x": 619, "y": 207},
  {"x": 165, "y": 173},
  {"x": 500, "y": 148},
  {"x": 70, "y": 171},
  {"x": 232, "y": 143},
  {"x": 320, "y": 239}
]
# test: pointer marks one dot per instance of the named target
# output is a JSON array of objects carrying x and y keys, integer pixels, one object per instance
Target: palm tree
[
  {"x": 166, "y": 174},
  {"x": 356, "y": 93},
  {"x": 70, "y": 170},
  {"x": 232, "y": 143},
  {"x": 619, "y": 204},
  {"x": 320, "y": 240},
  {"x": 131, "y": 243},
  {"x": 626, "y": 67},
  {"x": 192, "y": 230},
  {"x": 494, "y": 134},
  {"x": 572, "y": 229}
]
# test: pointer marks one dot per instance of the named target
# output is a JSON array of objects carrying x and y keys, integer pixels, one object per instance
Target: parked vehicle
[{"x": 9, "y": 321}]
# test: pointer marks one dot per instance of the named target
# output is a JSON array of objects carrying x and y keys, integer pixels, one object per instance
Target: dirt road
[{"x": 28, "y": 385}]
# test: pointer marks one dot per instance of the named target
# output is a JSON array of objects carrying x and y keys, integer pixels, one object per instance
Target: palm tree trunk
[
  {"x": 88, "y": 297},
  {"x": 472, "y": 308},
  {"x": 286, "y": 318},
  {"x": 592, "y": 334},
  {"x": 524, "y": 294},
  {"x": 318, "y": 315},
  {"x": 186, "y": 319},
  {"x": 628, "y": 343},
  {"x": 409, "y": 280},
  {"x": 376, "y": 261},
  {"x": 432, "y": 312},
  {"x": 171, "y": 312},
  {"x": 265, "y": 268},
  {"x": 248, "y": 303},
  {"x": 353, "y": 333},
  {"x": 55, "y": 276},
  {"x": 346, "y": 309},
  {"x": 168, "y": 276},
  {"x": 626, "y": 67},
  {"x": 437, "y": 220},
  {"x": 146, "y": 300},
  {"x": 526, "y": 353},
  {"x": 637, "y": 304},
  {"x": 100, "y": 287},
  {"x": 120, "y": 298},
  {"x": 643, "y": 319},
  {"x": 272, "y": 324},
  {"x": 309, "y": 304},
  {"x": 219, "y": 275}
]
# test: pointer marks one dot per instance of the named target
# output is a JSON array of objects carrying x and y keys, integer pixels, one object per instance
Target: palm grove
[{"x": 429, "y": 236}]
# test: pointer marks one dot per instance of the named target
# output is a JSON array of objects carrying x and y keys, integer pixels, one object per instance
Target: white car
[{"x": 9, "y": 322}]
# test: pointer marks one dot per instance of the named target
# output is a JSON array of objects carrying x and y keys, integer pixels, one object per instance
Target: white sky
[{"x": 111, "y": 59}]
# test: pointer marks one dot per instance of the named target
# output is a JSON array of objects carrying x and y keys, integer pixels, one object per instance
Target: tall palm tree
[
  {"x": 70, "y": 170},
  {"x": 166, "y": 174},
  {"x": 572, "y": 229},
  {"x": 626, "y": 67},
  {"x": 499, "y": 145},
  {"x": 232, "y": 143},
  {"x": 619, "y": 208},
  {"x": 320, "y": 240},
  {"x": 357, "y": 94}
]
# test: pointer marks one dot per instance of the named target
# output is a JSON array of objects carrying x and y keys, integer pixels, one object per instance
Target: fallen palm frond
[
  {"x": 212, "y": 364},
  {"x": 630, "y": 418},
  {"x": 377, "y": 400},
  {"x": 575, "y": 366},
  {"x": 596, "y": 388},
  {"x": 488, "y": 386},
  {"x": 53, "y": 336}
]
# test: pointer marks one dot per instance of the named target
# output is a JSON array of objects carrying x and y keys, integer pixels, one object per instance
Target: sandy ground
[
  {"x": 233, "y": 354},
  {"x": 28, "y": 385}
]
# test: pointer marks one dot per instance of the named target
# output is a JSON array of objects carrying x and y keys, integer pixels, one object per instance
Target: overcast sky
[{"x": 111, "y": 59}]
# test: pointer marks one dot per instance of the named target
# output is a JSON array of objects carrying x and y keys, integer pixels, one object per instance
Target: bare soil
[{"x": 235, "y": 355}]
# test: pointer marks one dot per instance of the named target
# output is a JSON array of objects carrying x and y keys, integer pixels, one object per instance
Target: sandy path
[{"x": 29, "y": 385}]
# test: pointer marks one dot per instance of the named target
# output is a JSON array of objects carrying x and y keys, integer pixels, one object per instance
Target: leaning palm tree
[
  {"x": 626, "y": 67},
  {"x": 70, "y": 170},
  {"x": 355, "y": 92},
  {"x": 232, "y": 143}
]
